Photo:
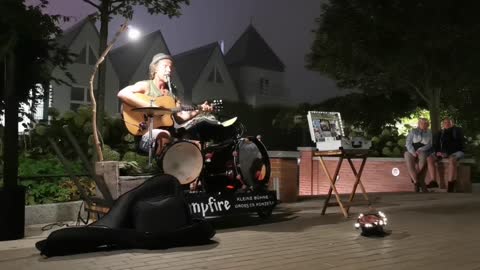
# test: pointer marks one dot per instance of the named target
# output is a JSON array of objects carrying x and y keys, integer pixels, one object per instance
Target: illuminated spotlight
[
  {"x": 372, "y": 223},
  {"x": 133, "y": 33}
]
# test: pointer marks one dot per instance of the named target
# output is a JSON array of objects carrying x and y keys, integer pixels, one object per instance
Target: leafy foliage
[
  {"x": 47, "y": 164},
  {"x": 388, "y": 143},
  {"x": 28, "y": 51},
  {"x": 116, "y": 139},
  {"x": 30, "y": 35},
  {"x": 370, "y": 112},
  {"x": 124, "y": 8},
  {"x": 49, "y": 189},
  {"x": 425, "y": 46},
  {"x": 273, "y": 123},
  {"x": 60, "y": 190}
]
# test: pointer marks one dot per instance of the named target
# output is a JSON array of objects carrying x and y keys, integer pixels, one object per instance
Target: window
[
  {"x": 87, "y": 56},
  {"x": 215, "y": 76},
  {"x": 79, "y": 95},
  {"x": 92, "y": 58},
  {"x": 82, "y": 56},
  {"x": 264, "y": 86}
]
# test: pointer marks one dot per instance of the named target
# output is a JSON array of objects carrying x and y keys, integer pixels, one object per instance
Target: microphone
[{"x": 169, "y": 82}]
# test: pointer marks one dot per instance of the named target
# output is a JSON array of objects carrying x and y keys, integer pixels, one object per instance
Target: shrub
[{"x": 53, "y": 191}]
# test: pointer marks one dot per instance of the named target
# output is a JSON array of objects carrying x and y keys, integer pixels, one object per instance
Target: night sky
[{"x": 286, "y": 26}]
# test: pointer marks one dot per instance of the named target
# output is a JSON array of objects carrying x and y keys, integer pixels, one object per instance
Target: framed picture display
[{"x": 326, "y": 129}]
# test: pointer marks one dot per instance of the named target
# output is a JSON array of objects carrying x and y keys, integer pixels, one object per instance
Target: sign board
[
  {"x": 326, "y": 129},
  {"x": 212, "y": 204}
]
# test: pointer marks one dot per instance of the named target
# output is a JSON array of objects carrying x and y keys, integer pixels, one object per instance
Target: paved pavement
[{"x": 427, "y": 231}]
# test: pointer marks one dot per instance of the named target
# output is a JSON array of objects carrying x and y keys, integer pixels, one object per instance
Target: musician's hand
[{"x": 206, "y": 107}]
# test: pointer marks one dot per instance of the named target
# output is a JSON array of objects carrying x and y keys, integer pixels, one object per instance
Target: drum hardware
[
  {"x": 240, "y": 165},
  {"x": 219, "y": 162},
  {"x": 150, "y": 112},
  {"x": 229, "y": 173}
]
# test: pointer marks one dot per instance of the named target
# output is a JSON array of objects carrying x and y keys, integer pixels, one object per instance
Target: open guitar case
[{"x": 154, "y": 215}]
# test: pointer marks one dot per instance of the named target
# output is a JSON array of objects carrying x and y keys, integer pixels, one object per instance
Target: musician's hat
[{"x": 160, "y": 56}]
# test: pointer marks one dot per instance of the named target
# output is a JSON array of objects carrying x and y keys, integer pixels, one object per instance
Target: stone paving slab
[{"x": 427, "y": 231}]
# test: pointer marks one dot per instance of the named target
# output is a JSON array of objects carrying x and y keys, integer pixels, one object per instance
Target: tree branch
[
  {"x": 419, "y": 92},
  {"x": 114, "y": 9},
  {"x": 91, "y": 3},
  {"x": 100, "y": 59}
]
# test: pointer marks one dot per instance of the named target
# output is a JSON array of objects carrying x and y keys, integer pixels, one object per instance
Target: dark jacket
[{"x": 449, "y": 140}]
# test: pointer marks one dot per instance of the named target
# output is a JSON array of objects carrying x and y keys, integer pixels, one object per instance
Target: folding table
[{"x": 349, "y": 155}]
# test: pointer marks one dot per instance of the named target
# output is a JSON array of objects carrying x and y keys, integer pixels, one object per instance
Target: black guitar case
[{"x": 154, "y": 215}]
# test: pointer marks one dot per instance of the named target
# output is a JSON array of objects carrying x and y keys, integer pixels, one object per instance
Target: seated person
[
  {"x": 448, "y": 143},
  {"x": 419, "y": 147},
  {"x": 160, "y": 71}
]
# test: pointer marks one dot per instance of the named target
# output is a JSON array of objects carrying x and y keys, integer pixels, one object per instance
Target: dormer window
[
  {"x": 215, "y": 76},
  {"x": 86, "y": 56},
  {"x": 79, "y": 95},
  {"x": 264, "y": 86}
]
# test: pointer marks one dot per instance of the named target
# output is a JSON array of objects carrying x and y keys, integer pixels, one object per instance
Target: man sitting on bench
[{"x": 448, "y": 143}]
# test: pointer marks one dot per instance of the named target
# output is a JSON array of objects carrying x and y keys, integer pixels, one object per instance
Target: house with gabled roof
[
  {"x": 83, "y": 40},
  {"x": 257, "y": 71},
  {"x": 205, "y": 75},
  {"x": 132, "y": 60},
  {"x": 250, "y": 72}
]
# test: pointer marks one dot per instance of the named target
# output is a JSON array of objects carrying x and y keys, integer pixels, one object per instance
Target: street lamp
[{"x": 132, "y": 34}]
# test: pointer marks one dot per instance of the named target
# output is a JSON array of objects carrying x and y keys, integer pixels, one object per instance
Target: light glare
[{"x": 133, "y": 33}]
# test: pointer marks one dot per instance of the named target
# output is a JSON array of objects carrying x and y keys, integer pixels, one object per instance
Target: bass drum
[
  {"x": 238, "y": 165},
  {"x": 182, "y": 159}
]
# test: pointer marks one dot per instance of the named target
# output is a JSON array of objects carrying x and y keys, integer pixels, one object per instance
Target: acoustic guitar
[{"x": 162, "y": 110}]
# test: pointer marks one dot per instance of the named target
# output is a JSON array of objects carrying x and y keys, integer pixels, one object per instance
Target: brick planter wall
[
  {"x": 377, "y": 175},
  {"x": 284, "y": 174},
  {"x": 283, "y": 177},
  {"x": 295, "y": 174}
]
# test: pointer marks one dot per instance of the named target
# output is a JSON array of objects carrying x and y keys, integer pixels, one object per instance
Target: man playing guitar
[{"x": 156, "y": 92}]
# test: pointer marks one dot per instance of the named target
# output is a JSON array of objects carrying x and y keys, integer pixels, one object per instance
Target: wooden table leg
[
  {"x": 358, "y": 181},
  {"x": 332, "y": 187}
]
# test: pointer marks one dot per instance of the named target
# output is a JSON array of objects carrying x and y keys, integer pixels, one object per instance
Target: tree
[
  {"x": 429, "y": 47},
  {"x": 125, "y": 8},
  {"x": 370, "y": 112},
  {"x": 27, "y": 53}
]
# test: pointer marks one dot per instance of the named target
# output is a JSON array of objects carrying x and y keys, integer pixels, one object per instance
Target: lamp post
[
  {"x": 134, "y": 34},
  {"x": 12, "y": 195}
]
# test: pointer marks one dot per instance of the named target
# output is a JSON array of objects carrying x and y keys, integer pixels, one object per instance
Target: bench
[{"x": 464, "y": 174}]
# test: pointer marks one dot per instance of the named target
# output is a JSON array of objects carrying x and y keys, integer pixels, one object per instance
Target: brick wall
[
  {"x": 284, "y": 175},
  {"x": 377, "y": 175}
]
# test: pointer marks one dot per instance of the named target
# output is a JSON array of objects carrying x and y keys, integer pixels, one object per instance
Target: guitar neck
[{"x": 187, "y": 108}]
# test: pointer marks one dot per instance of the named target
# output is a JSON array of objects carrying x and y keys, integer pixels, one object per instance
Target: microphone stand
[
  {"x": 150, "y": 137},
  {"x": 169, "y": 84}
]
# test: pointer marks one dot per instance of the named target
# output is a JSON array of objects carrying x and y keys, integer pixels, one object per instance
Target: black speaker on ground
[{"x": 12, "y": 215}]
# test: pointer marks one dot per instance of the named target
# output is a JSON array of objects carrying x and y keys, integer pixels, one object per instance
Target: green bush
[
  {"x": 53, "y": 191},
  {"x": 48, "y": 189},
  {"x": 388, "y": 144},
  {"x": 46, "y": 164}
]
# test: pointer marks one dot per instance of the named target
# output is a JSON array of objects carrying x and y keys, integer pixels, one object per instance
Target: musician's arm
[
  {"x": 183, "y": 116},
  {"x": 127, "y": 94}
]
